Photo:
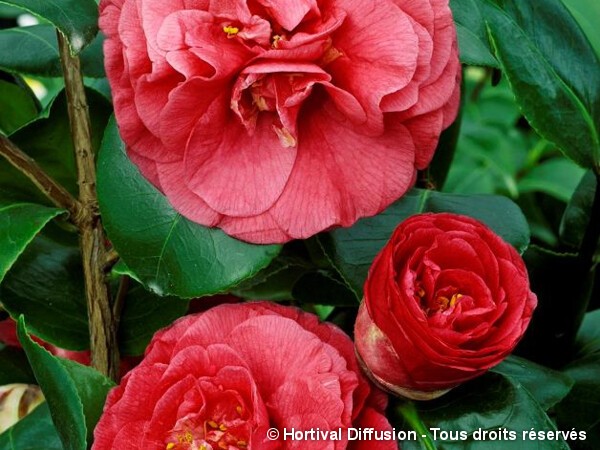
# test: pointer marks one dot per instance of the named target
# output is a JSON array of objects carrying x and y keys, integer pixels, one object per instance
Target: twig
[
  {"x": 110, "y": 259},
  {"x": 28, "y": 167},
  {"x": 102, "y": 324}
]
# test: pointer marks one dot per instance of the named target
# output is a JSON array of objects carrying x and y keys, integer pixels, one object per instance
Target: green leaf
[
  {"x": 60, "y": 392},
  {"x": 76, "y": 19},
  {"x": 33, "y": 50},
  {"x": 586, "y": 13},
  {"x": 166, "y": 252},
  {"x": 48, "y": 141},
  {"x": 92, "y": 389},
  {"x": 46, "y": 285},
  {"x": 14, "y": 367},
  {"x": 581, "y": 408},
  {"x": 472, "y": 35},
  {"x": 353, "y": 249},
  {"x": 17, "y": 106},
  {"x": 10, "y": 12},
  {"x": 36, "y": 431},
  {"x": 19, "y": 224},
  {"x": 143, "y": 314},
  {"x": 274, "y": 282},
  {"x": 75, "y": 393},
  {"x": 577, "y": 215},
  {"x": 547, "y": 386},
  {"x": 557, "y": 177},
  {"x": 491, "y": 403},
  {"x": 553, "y": 71},
  {"x": 554, "y": 278}
]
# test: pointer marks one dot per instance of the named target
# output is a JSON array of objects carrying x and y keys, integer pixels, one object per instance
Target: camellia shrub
[{"x": 299, "y": 224}]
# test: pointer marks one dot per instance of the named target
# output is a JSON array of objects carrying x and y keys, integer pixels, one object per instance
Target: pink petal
[
  {"x": 255, "y": 168},
  {"x": 341, "y": 175},
  {"x": 289, "y": 13},
  {"x": 375, "y": 61}
]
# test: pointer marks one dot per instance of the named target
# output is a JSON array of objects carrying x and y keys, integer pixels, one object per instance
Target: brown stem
[
  {"x": 26, "y": 165},
  {"x": 102, "y": 324},
  {"x": 111, "y": 258}
]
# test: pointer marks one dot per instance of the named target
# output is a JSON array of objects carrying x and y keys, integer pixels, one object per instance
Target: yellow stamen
[
  {"x": 276, "y": 40},
  {"x": 455, "y": 298},
  {"x": 222, "y": 427},
  {"x": 242, "y": 444},
  {"x": 239, "y": 409},
  {"x": 285, "y": 137},
  {"x": 231, "y": 31},
  {"x": 443, "y": 302},
  {"x": 170, "y": 445},
  {"x": 330, "y": 55},
  {"x": 213, "y": 424},
  {"x": 260, "y": 102}
]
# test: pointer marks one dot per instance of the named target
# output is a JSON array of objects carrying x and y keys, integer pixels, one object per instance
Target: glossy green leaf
[
  {"x": 48, "y": 141},
  {"x": 555, "y": 278},
  {"x": 353, "y": 249},
  {"x": 547, "y": 386},
  {"x": 9, "y": 12},
  {"x": 553, "y": 71},
  {"x": 274, "y": 282},
  {"x": 472, "y": 35},
  {"x": 14, "y": 367},
  {"x": 577, "y": 215},
  {"x": 33, "y": 50},
  {"x": 17, "y": 105},
  {"x": 557, "y": 177},
  {"x": 36, "y": 431},
  {"x": 92, "y": 389},
  {"x": 581, "y": 408},
  {"x": 46, "y": 285},
  {"x": 491, "y": 403},
  {"x": 75, "y": 393},
  {"x": 76, "y": 19},
  {"x": 166, "y": 252},
  {"x": 19, "y": 224},
  {"x": 60, "y": 392},
  {"x": 143, "y": 314},
  {"x": 586, "y": 13}
]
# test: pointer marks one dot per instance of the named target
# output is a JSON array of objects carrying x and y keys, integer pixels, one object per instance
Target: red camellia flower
[
  {"x": 221, "y": 379},
  {"x": 445, "y": 300},
  {"x": 277, "y": 119}
]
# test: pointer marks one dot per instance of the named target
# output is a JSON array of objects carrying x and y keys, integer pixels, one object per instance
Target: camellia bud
[
  {"x": 16, "y": 401},
  {"x": 445, "y": 300}
]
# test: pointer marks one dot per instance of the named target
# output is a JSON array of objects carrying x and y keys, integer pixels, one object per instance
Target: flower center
[
  {"x": 227, "y": 433},
  {"x": 231, "y": 31},
  {"x": 444, "y": 300}
]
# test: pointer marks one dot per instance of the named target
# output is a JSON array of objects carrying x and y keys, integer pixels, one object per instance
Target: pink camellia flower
[
  {"x": 221, "y": 379},
  {"x": 445, "y": 300},
  {"x": 277, "y": 119}
]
